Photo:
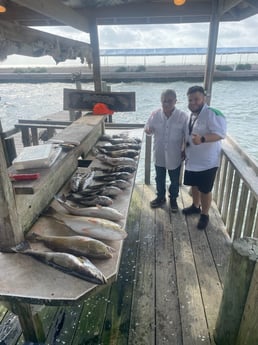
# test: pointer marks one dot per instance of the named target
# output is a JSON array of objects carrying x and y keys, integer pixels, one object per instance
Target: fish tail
[
  {"x": 61, "y": 199},
  {"x": 21, "y": 247},
  {"x": 50, "y": 212}
]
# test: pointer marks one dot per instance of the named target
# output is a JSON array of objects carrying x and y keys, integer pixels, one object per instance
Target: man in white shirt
[
  {"x": 168, "y": 126},
  {"x": 206, "y": 128}
]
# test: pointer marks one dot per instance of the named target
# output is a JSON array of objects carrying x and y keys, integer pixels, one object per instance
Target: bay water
[{"x": 238, "y": 100}]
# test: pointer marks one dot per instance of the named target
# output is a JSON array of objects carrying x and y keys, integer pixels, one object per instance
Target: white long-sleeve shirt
[{"x": 168, "y": 137}]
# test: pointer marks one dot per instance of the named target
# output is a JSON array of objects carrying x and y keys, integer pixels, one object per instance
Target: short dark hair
[{"x": 195, "y": 88}]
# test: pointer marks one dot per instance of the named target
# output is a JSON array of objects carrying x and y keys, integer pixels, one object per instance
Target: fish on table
[
  {"x": 114, "y": 169},
  {"x": 80, "y": 181},
  {"x": 119, "y": 138},
  {"x": 80, "y": 267},
  {"x": 124, "y": 175},
  {"x": 76, "y": 245},
  {"x": 99, "y": 228},
  {"x": 116, "y": 161},
  {"x": 109, "y": 191},
  {"x": 90, "y": 200},
  {"x": 119, "y": 153},
  {"x": 120, "y": 183},
  {"x": 97, "y": 211},
  {"x": 122, "y": 146}
]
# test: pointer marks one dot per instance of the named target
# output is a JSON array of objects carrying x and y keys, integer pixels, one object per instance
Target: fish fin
[
  {"x": 50, "y": 211},
  {"x": 61, "y": 199},
  {"x": 99, "y": 206},
  {"x": 20, "y": 247}
]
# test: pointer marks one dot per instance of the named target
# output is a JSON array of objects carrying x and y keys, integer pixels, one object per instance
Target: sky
[{"x": 236, "y": 34}]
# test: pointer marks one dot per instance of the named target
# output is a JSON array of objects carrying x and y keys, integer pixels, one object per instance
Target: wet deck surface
[{"x": 167, "y": 292}]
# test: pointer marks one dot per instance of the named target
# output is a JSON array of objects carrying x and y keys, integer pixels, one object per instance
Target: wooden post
[
  {"x": 148, "y": 158},
  {"x": 31, "y": 324},
  {"x": 94, "y": 40},
  {"x": 243, "y": 258},
  {"x": 10, "y": 228},
  {"x": 211, "y": 52},
  {"x": 248, "y": 334}
]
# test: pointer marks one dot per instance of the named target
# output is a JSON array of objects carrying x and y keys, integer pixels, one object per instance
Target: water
[{"x": 238, "y": 100}]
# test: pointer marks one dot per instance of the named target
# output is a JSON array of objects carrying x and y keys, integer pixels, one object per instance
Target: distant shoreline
[{"x": 111, "y": 74}]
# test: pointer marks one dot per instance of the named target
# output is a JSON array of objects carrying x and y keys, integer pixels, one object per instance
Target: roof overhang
[{"x": 79, "y": 13}]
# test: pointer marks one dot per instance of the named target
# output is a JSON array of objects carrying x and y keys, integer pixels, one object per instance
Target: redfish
[
  {"x": 98, "y": 211},
  {"x": 77, "y": 245},
  {"x": 99, "y": 228}
]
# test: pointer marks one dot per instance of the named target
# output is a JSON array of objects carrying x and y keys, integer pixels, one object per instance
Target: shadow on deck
[{"x": 168, "y": 289}]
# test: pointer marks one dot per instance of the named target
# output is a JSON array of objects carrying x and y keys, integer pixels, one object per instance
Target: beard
[{"x": 196, "y": 110}]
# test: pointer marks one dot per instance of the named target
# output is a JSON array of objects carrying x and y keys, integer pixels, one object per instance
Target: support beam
[
  {"x": 94, "y": 40},
  {"x": 56, "y": 10},
  {"x": 211, "y": 53},
  {"x": 228, "y": 5},
  {"x": 10, "y": 228}
]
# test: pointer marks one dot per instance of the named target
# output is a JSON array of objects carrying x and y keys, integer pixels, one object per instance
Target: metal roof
[{"x": 80, "y": 13}]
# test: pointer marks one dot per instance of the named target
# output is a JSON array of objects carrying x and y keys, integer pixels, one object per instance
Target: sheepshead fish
[
  {"x": 120, "y": 153},
  {"x": 116, "y": 161},
  {"x": 80, "y": 267},
  {"x": 98, "y": 211},
  {"x": 80, "y": 181},
  {"x": 122, "y": 146},
  {"x": 123, "y": 168},
  {"x": 120, "y": 183},
  {"x": 99, "y": 228},
  {"x": 77, "y": 245},
  {"x": 114, "y": 176},
  {"x": 109, "y": 191},
  {"x": 90, "y": 201}
]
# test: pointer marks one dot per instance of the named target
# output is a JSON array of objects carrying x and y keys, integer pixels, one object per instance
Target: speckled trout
[
  {"x": 98, "y": 211},
  {"x": 99, "y": 228},
  {"x": 80, "y": 267},
  {"x": 77, "y": 245}
]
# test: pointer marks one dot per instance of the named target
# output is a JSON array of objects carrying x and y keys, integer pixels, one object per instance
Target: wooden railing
[{"x": 236, "y": 191}]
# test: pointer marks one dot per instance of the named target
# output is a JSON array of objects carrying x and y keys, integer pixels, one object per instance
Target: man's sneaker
[
  {"x": 157, "y": 202},
  {"x": 191, "y": 210},
  {"x": 203, "y": 222},
  {"x": 173, "y": 205}
]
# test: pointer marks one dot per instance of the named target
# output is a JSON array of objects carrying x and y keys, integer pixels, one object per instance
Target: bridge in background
[{"x": 175, "y": 51}]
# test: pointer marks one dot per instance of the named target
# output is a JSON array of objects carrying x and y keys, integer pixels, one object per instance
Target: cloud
[{"x": 231, "y": 34}]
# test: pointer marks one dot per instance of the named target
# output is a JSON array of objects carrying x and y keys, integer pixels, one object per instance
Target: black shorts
[{"x": 204, "y": 180}]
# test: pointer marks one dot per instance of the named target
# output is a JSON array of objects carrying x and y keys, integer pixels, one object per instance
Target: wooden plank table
[
  {"x": 24, "y": 280},
  {"x": 85, "y": 131}
]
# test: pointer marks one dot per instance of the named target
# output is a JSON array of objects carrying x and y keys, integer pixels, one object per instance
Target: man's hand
[{"x": 196, "y": 139}]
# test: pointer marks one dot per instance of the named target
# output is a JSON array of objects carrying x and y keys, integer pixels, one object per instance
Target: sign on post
[{"x": 85, "y": 100}]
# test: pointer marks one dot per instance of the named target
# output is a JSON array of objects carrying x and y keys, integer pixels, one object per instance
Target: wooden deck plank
[
  {"x": 193, "y": 319},
  {"x": 168, "y": 323},
  {"x": 92, "y": 318},
  {"x": 142, "y": 330},
  {"x": 117, "y": 324},
  {"x": 210, "y": 285},
  {"x": 163, "y": 295},
  {"x": 219, "y": 242},
  {"x": 10, "y": 329}
]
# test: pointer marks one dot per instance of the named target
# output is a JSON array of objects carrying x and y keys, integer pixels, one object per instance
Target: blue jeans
[{"x": 161, "y": 182}]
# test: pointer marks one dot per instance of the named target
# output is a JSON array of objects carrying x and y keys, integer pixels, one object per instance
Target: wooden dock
[{"x": 168, "y": 289}]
